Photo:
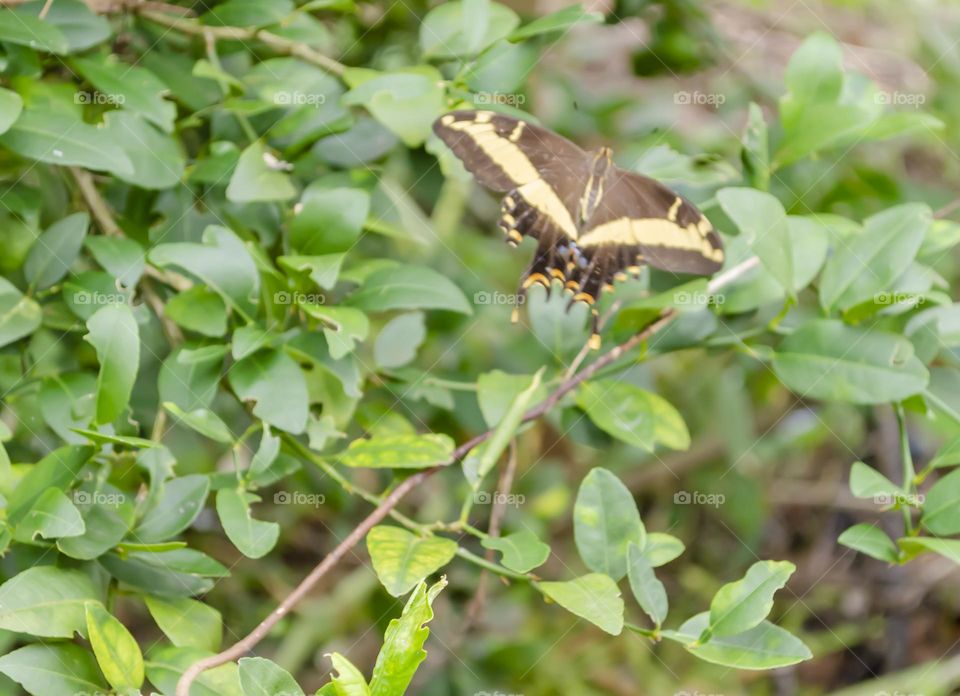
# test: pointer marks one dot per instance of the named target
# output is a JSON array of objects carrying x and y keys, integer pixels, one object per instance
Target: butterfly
[{"x": 594, "y": 223}]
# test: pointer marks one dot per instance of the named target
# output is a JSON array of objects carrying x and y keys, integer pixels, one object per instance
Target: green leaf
[
  {"x": 559, "y": 21},
  {"x": 46, "y": 601},
  {"x": 522, "y": 551},
  {"x": 121, "y": 257},
  {"x": 59, "y": 469},
  {"x": 25, "y": 29},
  {"x": 187, "y": 622},
  {"x": 399, "y": 451},
  {"x": 402, "y": 650},
  {"x": 871, "y": 262},
  {"x": 605, "y": 522},
  {"x": 638, "y": 417},
  {"x": 261, "y": 677},
  {"x": 175, "y": 508},
  {"x": 947, "y": 455},
  {"x": 490, "y": 451},
  {"x": 253, "y": 538},
  {"x": 19, "y": 315},
  {"x": 10, "y": 107},
  {"x": 248, "y": 13},
  {"x": 594, "y": 597},
  {"x": 166, "y": 663},
  {"x": 870, "y": 540},
  {"x": 406, "y": 103},
  {"x": 221, "y": 262},
  {"x": 402, "y": 560},
  {"x": 190, "y": 378},
  {"x": 81, "y": 27},
  {"x": 763, "y": 222},
  {"x": 824, "y": 359},
  {"x": 449, "y": 31},
  {"x": 867, "y": 482},
  {"x": 274, "y": 382},
  {"x": 349, "y": 681},
  {"x": 116, "y": 650},
  {"x": 649, "y": 592},
  {"x": 323, "y": 269},
  {"x": 497, "y": 390},
  {"x": 409, "y": 287},
  {"x": 259, "y": 177},
  {"x": 107, "y": 519},
  {"x": 156, "y": 157},
  {"x": 941, "y": 506},
  {"x": 266, "y": 454},
  {"x": 114, "y": 335},
  {"x": 134, "y": 88},
  {"x": 914, "y": 546},
  {"x": 755, "y": 149},
  {"x": 765, "y": 646},
  {"x": 55, "y": 250},
  {"x": 814, "y": 75},
  {"x": 741, "y": 605},
  {"x": 343, "y": 327},
  {"x": 198, "y": 309},
  {"x": 399, "y": 339},
  {"x": 330, "y": 221},
  {"x": 56, "y": 137},
  {"x": 661, "y": 548},
  {"x": 203, "y": 420},
  {"x": 58, "y": 669},
  {"x": 53, "y": 516}
]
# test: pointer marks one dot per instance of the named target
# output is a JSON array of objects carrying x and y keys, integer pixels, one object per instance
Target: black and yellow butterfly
[{"x": 594, "y": 222}]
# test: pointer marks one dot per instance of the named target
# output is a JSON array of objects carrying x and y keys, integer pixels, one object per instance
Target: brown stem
[{"x": 247, "y": 643}]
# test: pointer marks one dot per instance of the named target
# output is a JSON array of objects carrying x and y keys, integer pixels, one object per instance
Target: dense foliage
[{"x": 247, "y": 298}]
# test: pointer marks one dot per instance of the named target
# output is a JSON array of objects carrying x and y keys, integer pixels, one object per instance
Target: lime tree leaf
[
  {"x": 484, "y": 458},
  {"x": 406, "y": 103},
  {"x": 867, "y": 482},
  {"x": 741, "y": 605},
  {"x": 323, "y": 269},
  {"x": 755, "y": 149},
  {"x": 46, "y": 601},
  {"x": 871, "y": 540},
  {"x": 636, "y": 416},
  {"x": 452, "y": 29},
  {"x": 134, "y": 88},
  {"x": 190, "y": 379},
  {"x": 594, "y": 597},
  {"x": 175, "y": 508},
  {"x": 496, "y": 390},
  {"x": 605, "y": 522},
  {"x": 221, "y": 262},
  {"x": 941, "y": 506},
  {"x": 253, "y": 538},
  {"x": 398, "y": 340},
  {"x": 343, "y": 327},
  {"x": 116, "y": 650},
  {"x": 402, "y": 650},
  {"x": 56, "y": 137},
  {"x": 870, "y": 262},
  {"x": 167, "y": 663},
  {"x": 25, "y": 29},
  {"x": 399, "y": 451},
  {"x": 156, "y": 157},
  {"x": 19, "y": 315},
  {"x": 55, "y": 250},
  {"x": 203, "y": 420},
  {"x": 53, "y": 516},
  {"x": 274, "y": 382},
  {"x": 198, "y": 309},
  {"x": 402, "y": 560},
  {"x": 822, "y": 126},
  {"x": 58, "y": 669},
  {"x": 10, "y": 107},
  {"x": 522, "y": 551},
  {"x": 261, "y": 677},
  {"x": 81, "y": 27},
  {"x": 947, "y": 455},
  {"x": 765, "y": 646},
  {"x": 257, "y": 178},
  {"x": 58, "y": 470},
  {"x": 661, "y": 548},
  {"x": 114, "y": 335},
  {"x": 649, "y": 592},
  {"x": 349, "y": 680},
  {"x": 248, "y": 13},
  {"x": 824, "y": 359},
  {"x": 914, "y": 546},
  {"x": 763, "y": 222},
  {"x": 187, "y": 622},
  {"x": 559, "y": 21},
  {"x": 329, "y": 222},
  {"x": 409, "y": 287}
]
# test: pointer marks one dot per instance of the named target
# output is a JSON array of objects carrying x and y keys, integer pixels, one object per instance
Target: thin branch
[{"x": 244, "y": 645}]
